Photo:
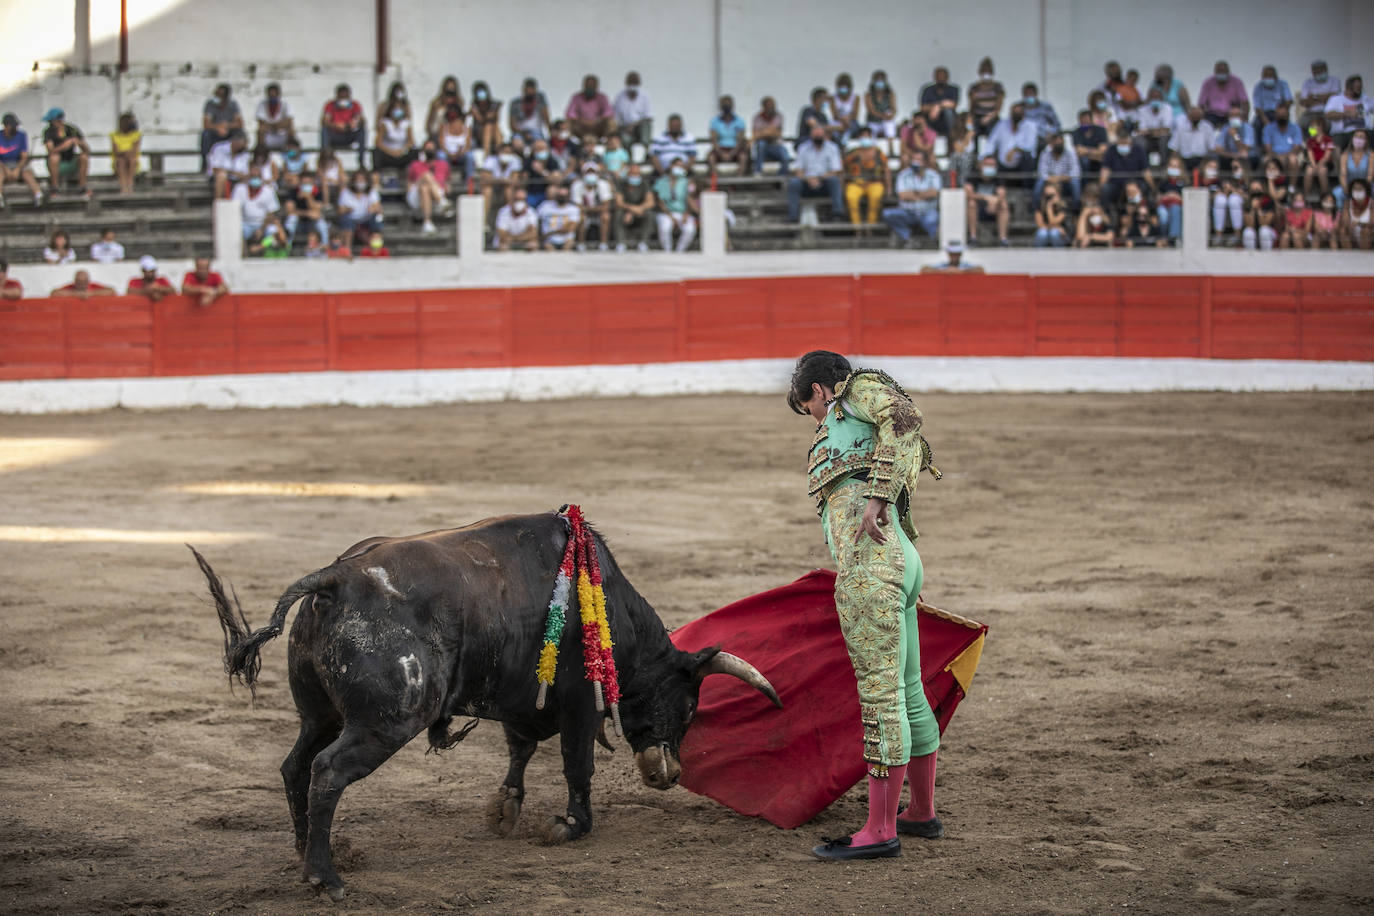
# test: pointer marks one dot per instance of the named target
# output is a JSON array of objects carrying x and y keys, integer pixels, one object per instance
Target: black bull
[{"x": 399, "y": 635}]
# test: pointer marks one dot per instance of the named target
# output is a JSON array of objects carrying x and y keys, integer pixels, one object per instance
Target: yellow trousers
[{"x": 856, "y": 191}]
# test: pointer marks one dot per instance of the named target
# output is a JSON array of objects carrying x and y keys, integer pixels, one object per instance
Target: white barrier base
[{"x": 414, "y": 388}]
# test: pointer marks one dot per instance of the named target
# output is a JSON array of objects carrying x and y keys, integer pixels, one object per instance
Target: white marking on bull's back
[{"x": 383, "y": 580}]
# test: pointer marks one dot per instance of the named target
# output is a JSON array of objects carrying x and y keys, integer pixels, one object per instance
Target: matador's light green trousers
[{"x": 875, "y": 595}]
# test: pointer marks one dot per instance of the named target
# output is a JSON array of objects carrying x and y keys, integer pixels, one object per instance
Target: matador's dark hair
[{"x": 819, "y": 366}]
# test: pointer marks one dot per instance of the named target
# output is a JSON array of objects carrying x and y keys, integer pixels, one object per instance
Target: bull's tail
[{"x": 241, "y": 646}]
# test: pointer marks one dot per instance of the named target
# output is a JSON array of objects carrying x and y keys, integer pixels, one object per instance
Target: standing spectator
[
  {"x": 302, "y": 201},
  {"x": 343, "y": 123},
  {"x": 360, "y": 207},
  {"x": 866, "y": 178},
  {"x": 517, "y": 225},
  {"x": 454, "y": 143},
  {"x": 1355, "y": 163},
  {"x": 69, "y": 155},
  {"x": 10, "y": 288},
  {"x": 59, "y": 249},
  {"x": 220, "y": 118},
  {"x": 589, "y": 112},
  {"x": 426, "y": 183},
  {"x": 559, "y": 219},
  {"x": 395, "y": 137},
  {"x": 918, "y": 200},
  {"x": 1058, "y": 168},
  {"x": 1014, "y": 142},
  {"x": 229, "y": 163},
  {"x": 593, "y": 195},
  {"x": 1236, "y": 141},
  {"x": 203, "y": 284},
  {"x": 940, "y": 102},
  {"x": 257, "y": 203},
  {"x": 674, "y": 143},
  {"x": 634, "y": 205},
  {"x": 1090, "y": 143},
  {"x": 1171, "y": 198},
  {"x": 276, "y": 120},
  {"x": 1282, "y": 140},
  {"x": 1094, "y": 230},
  {"x": 1220, "y": 93},
  {"x": 107, "y": 250},
  {"x": 676, "y": 209},
  {"x": 1320, "y": 154},
  {"x": 985, "y": 98},
  {"x": 1051, "y": 221},
  {"x": 1124, "y": 162},
  {"x": 1326, "y": 223},
  {"x": 126, "y": 144},
  {"x": 1348, "y": 112},
  {"x": 916, "y": 137},
  {"x": 81, "y": 287},
  {"x": 1317, "y": 90},
  {"x": 1194, "y": 138},
  {"x": 1155, "y": 123},
  {"x": 813, "y": 114},
  {"x": 1297, "y": 224},
  {"x": 1171, "y": 90},
  {"x": 486, "y": 119},
  {"x": 1268, "y": 94},
  {"x": 880, "y": 106},
  {"x": 768, "y": 142},
  {"x": 634, "y": 113},
  {"x": 1358, "y": 216},
  {"x": 448, "y": 96},
  {"x": 528, "y": 113},
  {"x": 987, "y": 200},
  {"x": 501, "y": 171},
  {"x": 818, "y": 174},
  {"x": 14, "y": 159},
  {"x": 842, "y": 109},
  {"x": 1040, "y": 113},
  {"x": 729, "y": 138},
  {"x": 149, "y": 282}
]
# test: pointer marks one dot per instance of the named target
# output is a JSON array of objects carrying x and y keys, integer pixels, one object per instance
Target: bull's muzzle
[{"x": 658, "y": 767}]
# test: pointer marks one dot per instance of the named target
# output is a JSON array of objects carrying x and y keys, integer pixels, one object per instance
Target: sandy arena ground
[{"x": 1173, "y": 714}]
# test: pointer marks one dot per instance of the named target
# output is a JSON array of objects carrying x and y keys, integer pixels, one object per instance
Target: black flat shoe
[
  {"x": 843, "y": 849},
  {"x": 930, "y": 830}
]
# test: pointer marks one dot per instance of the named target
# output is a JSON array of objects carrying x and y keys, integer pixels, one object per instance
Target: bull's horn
[
  {"x": 733, "y": 665},
  {"x": 602, "y": 740}
]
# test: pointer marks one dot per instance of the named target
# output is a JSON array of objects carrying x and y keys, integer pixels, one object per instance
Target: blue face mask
[
  {"x": 635, "y": 179},
  {"x": 880, "y": 85},
  {"x": 1269, "y": 82}
]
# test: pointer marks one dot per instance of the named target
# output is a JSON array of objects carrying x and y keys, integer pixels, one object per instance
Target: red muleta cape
[{"x": 787, "y": 765}]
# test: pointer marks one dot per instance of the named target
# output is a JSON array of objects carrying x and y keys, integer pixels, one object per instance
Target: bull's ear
[{"x": 692, "y": 661}]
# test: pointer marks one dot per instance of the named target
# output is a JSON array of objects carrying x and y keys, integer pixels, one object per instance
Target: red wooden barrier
[{"x": 1320, "y": 318}]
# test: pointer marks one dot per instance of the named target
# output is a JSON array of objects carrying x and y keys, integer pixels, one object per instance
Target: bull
[{"x": 401, "y": 634}]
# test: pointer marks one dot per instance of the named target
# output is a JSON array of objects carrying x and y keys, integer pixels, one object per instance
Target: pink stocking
[
  {"x": 922, "y": 773},
  {"x": 884, "y": 795}
]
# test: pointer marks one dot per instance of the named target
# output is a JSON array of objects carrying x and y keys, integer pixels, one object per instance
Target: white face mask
[
  {"x": 1357, "y": 194},
  {"x": 1174, "y": 172},
  {"x": 517, "y": 206}
]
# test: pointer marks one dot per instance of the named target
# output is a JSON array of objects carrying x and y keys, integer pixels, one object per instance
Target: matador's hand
[{"x": 875, "y": 519}]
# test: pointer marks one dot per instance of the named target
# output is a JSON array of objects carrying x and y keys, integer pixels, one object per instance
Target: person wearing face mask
[
  {"x": 1155, "y": 122},
  {"x": 450, "y": 95},
  {"x": 1142, "y": 229},
  {"x": 676, "y": 208},
  {"x": 517, "y": 225},
  {"x": 1014, "y": 142},
  {"x": 303, "y": 202},
  {"x": 813, "y": 115},
  {"x": 918, "y": 201},
  {"x": 817, "y": 174},
  {"x": 1094, "y": 230},
  {"x": 1220, "y": 93},
  {"x": 1193, "y": 138},
  {"x": 360, "y": 207},
  {"x": 220, "y": 118},
  {"x": 1316, "y": 90},
  {"x": 1326, "y": 223},
  {"x": 559, "y": 218},
  {"x": 589, "y": 112},
  {"x": 1235, "y": 142},
  {"x": 1355, "y": 163},
  {"x": 986, "y": 196},
  {"x": 1227, "y": 201},
  {"x": 768, "y": 137},
  {"x": 866, "y": 178},
  {"x": 1171, "y": 90},
  {"x": 1297, "y": 224},
  {"x": 454, "y": 143},
  {"x": 1319, "y": 154},
  {"x": 940, "y": 102},
  {"x": 1170, "y": 209},
  {"x": 426, "y": 188},
  {"x": 1058, "y": 168},
  {"x": 276, "y": 121},
  {"x": 486, "y": 119},
  {"x": 1282, "y": 140},
  {"x": 1090, "y": 142},
  {"x": 1124, "y": 96},
  {"x": 842, "y": 109},
  {"x": 395, "y": 148},
  {"x": 343, "y": 124},
  {"x": 229, "y": 163},
  {"x": 540, "y": 168},
  {"x": 528, "y": 113},
  {"x": 880, "y": 106},
  {"x": 1105, "y": 114},
  {"x": 635, "y": 206},
  {"x": 985, "y": 98},
  {"x": 674, "y": 143},
  {"x": 1268, "y": 93},
  {"x": 1125, "y": 162},
  {"x": 729, "y": 138},
  {"x": 1349, "y": 111},
  {"x": 593, "y": 194},
  {"x": 634, "y": 113},
  {"x": 1260, "y": 215},
  {"x": 1039, "y": 112}
]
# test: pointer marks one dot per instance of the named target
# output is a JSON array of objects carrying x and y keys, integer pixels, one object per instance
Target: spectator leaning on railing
[
  {"x": 149, "y": 282},
  {"x": 203, "y": 284},
  {"x": 82, "y": 287}
]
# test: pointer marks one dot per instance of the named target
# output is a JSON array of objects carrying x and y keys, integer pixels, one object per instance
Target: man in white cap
[
  {"x": 954, "y": 262},
  {"x": 150, "y": 284},
  {"x": 69, "y": 155}
]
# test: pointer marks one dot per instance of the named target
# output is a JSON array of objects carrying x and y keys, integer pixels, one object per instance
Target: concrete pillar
[
  {"x": 472, "y": 220},
  {"x": 712, "y": 224},
  {"x": 228, "y": 232},
  {"x": 1196, "y": 220},
  {"x": 953, "y": 216}
]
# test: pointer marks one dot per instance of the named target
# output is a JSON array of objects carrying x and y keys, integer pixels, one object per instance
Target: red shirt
[
  {"x": 212, "y": 280},
  {"x": 1320, "y": 146},
  {"x": 137, "y": 284},
  {"x": 71, "y": 287},
  {"x": 340, "y": 251},
  {"x": 11, "y": 283},
  {"x": 367, "y": 251},
  {"x": 436, "y": 167},
  {"x": 339, "y": 114}
]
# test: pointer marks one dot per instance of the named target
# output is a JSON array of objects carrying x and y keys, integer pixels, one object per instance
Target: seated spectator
[
  {"x": 565, "y": 146},
  {"x": 59, "y": 249},
  {"x": 940, "y": 102},
  {"x": 339, "y": 247},
  {"x": 616, "y": 158},
  {"x": 1013, "y": 142},
  {"x": 729, "y": 138},
  {"x": 1268, "y": 94},
  {"x": 1051, "y": 221},
  {"x": 1281, "y": 139},
  {"x": 962, "y": 150},
  {"x": 1349, "y": 111},
  {"x": 203, "y": 284},
  {"x": 676, "y": 209},
  {"x": 1261, "y": 218},
  {"x": 374, "y": 246},
  {"x": 1220, "y": 93},
  {"x": 360, "y": 207},
  {"x": 1326, "y": 223},
  {"x": 635, "y": 206},
  {"x": 1235, "y": 142},
  {"x": 985, "y": 98},
  {"x": 1059, "y": 169},
  {"x": 69, "y": 155},
  {"x": 1194, "y": 138},
  {"x": 866, "y": 178},
  {"x": 81, "y": 287},
  {"x": 1142, "y": 229},
  {"x": 1171, "y": 90},
  {"x": 559, "y": 218},
  {"x": 425, "y": 188},
  {"x": 271, "y": 241},
  {"x": 674, "y": 144},
  {"x": 1155, "y": 124},
  {"x": 454, "y": 143},
  {"x": 229, "y": 163},
  {"x": 316, "y": 249},
  {"x": 818, "y": 174},
  {"x": 1356, "y": 216},
  {"x": 219, "y": 119},
  {"x": 540, "y": 169},
  {"x": 880, "y": 106},
  {"x": 126, "y": 144},
  {"x": 1090, "y": 144},
  {"x": 589, "y": 113},
  {"x": 528, "y": 113},
  {"x": 918, "y": 200},
  {"x": 303, "y": 202},
  {"x": 1040, "y": 113},
  {"x": 517, "y": 225},
  {"x": 1171, "y": 198},
  {"x": 395, "y": 136},
  {"x": 14, "y": 159},
  {"x": 293, "y": 163},
  {"x": 593, "y": 195},
  {"x": 10, "y": 288},
  {"x": 396, "y": 97},
  {"x": 343, "y": 124},
  {"x": 633, "y": 112},
  {"x": 1316, "y": 91},
  {"x": 501, "y": 171},
  {"x": 1123, "y": 97},
  {"x": 1105, "y": 114},
  {"x": 1297, "y": 224},
  {"x": 1094, "y": 229},
  {"x": 814, "y": 115},
  {"x": 1276, "y": 182},
  {"x": 486, "y": 119},
  {"x": 1125, "y": 161},
  {"x": 916, "y": 137},
  {"x": 954, "y": 262},
  {"x": 107, "y": 250},
  {"x": 257, "y": 202},
  {"x": 330, "y": 172},
  {"x": 1355, "y": 163},
  {"x": 448, "y": 96},
  {"x": 987, "y": 200},
  {"x": 262, "y": 166},
  {"x": 276, "y": 120},
  {"x": 842, "y": 109},
  {"x": 1227, "y": 200},
  {"x": 149, "y": 282}
]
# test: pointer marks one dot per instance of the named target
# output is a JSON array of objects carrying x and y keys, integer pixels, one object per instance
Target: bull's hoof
[
  {"x": 558, "y": 829},
  {"x": 334, "y": 889},
  {"x": 503, "y": 811}
]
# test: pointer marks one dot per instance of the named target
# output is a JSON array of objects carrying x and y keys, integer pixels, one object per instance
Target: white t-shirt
[
  {"x": 284, "y": 113},
  {"x": 1336, "y": 113},
  {"x": 103, "y": 252},
  {"x": 630, "y": 111},
  {"x": 559, "y": 219},
  {"x": 394, "y": 133},
  {"x": 502, "y": 167},
  {"x": 356, "y": 203},
  {"x": 1146, "y": 118},
  {"x": 222, "y": 156},
  {"x": 52, "y": 257},
  {"x": 507, "y": 221},
  {"x": 256, "y": 208},
  {"x": 585, "y": 195}
]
